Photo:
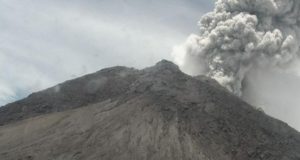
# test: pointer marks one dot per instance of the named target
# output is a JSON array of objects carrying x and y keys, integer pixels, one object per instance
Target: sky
[{"x": 45, "y": 42}]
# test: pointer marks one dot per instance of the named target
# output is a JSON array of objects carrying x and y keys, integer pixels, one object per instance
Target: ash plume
[{"x": 240, "y": 35}]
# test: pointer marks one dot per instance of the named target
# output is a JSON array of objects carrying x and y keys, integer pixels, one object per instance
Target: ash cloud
[{"x": 240, "y": 35}]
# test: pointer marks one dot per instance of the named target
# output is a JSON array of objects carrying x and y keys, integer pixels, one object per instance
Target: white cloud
[
  {"x": 252, "y": 44},
  {"x": 277, "y": 93},
  {"x": 46, "y": 42}
]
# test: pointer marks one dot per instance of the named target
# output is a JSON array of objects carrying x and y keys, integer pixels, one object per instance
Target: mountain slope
[{"x": 155, "y": 113}]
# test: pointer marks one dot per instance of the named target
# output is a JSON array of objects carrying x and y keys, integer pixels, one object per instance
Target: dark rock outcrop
[{"x": 155, "y": 113}]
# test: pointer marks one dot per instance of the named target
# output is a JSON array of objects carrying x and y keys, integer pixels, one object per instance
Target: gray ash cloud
[{"x": 239, "y": 35}]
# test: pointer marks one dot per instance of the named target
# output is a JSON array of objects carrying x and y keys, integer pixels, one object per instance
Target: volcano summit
[{"x": 150, "y": 114}]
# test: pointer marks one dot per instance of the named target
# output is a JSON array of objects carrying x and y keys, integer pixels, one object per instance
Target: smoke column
[{"x": 239, "y": 36}]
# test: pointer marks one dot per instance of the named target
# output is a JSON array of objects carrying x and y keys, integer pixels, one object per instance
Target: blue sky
[{"x": 45, "y": 42}]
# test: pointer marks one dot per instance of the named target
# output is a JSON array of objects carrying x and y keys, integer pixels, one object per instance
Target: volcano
[{"x": 157, "y": 113}]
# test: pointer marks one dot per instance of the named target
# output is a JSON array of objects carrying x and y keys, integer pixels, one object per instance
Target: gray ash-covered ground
[{"x": 155, "y": 113}]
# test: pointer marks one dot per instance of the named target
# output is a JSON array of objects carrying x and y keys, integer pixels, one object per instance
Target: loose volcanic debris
[{"x": 150, "y": 114}]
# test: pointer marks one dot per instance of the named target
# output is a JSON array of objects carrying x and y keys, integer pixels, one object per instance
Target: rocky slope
[{"x": 154, "y": 113}]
